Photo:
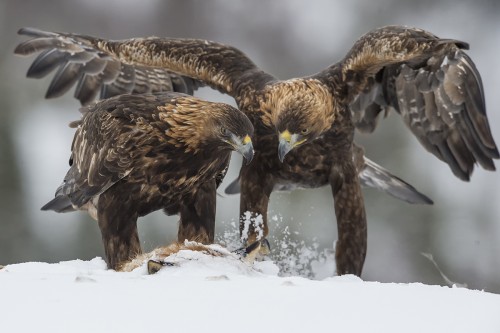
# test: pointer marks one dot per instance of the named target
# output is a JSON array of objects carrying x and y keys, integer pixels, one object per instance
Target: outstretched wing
[
  {"x": 431, "y": 82},
  {"x": 143, "y": 64},
  {"x": 95, "y": 72}
]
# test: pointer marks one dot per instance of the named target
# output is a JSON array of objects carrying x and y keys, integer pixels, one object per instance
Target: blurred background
[{"x": 288, "y": 39}]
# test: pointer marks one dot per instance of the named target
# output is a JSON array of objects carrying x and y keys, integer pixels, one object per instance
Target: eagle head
[
  {"x": 233, "y": 128},
  {"x": 302, "y": 112},
  {"x": 197, "y": 126}
]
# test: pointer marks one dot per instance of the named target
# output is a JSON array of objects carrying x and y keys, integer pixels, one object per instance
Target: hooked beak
[
  {"x": 243, "y": 146},
  {"x": 288, "y": 141}
]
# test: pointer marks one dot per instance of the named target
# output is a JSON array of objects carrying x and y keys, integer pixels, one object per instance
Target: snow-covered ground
[{"x": 203, "y": 293}]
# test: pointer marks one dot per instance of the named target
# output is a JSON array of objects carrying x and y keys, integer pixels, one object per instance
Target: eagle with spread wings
[
  {"x": 135, "y": 154},
  {"x": 304, "y": 127}
]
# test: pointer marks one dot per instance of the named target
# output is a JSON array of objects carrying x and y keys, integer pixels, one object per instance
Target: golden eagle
[
  {"x": 135, "y": 154},
  {"x": 304, "y": 127}
]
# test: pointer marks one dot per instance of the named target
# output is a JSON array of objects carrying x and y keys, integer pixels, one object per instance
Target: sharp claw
[
  {"x": 265, "y": 248},
  {"x": 255, "y": 246},
  {"x": 256, "y": 249}
]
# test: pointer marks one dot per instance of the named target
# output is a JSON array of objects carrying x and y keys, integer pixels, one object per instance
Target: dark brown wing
[
  {"x": 93, "y": 170},
  {"x": 110, "y": 142},
  {"x": 431, "y": 82},
  {"x": 76, "y": 59},
  {"x": 222, "y": 67}
]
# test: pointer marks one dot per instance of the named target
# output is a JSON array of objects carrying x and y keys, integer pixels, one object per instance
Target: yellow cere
[
  {"x": 247, "y": 139},
  {"x": 286, "y": 135}
]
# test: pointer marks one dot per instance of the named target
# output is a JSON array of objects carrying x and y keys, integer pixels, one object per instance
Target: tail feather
[
  {"x": 370, "y": 175},
  {"x": 60, "y": 204},
  {"x": 234, "y": 187},
  {"x": 373, "y": 175}
]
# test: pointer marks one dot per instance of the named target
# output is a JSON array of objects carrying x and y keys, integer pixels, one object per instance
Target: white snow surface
[{"x": 223, "y": 294}]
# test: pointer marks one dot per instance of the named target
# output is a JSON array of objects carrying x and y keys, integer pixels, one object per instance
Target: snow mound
[{"x": 204, "y": 293}]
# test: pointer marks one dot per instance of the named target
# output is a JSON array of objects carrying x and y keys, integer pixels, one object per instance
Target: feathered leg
[
  {"x": 197, "y": 214},
  {"x": 351, "y": 246},
  {"x": 256, "y": 188},
  {"x": 118, "y": 230}
]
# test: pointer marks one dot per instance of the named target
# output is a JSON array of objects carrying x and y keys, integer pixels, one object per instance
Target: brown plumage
[
  {"x": 430, "y": 81},
  {"x": 135, "y": 154}
]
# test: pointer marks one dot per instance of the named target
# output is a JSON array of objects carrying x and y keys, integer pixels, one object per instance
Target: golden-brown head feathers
[
  {"x": 194, "y": 122},
  {"x": 299, "y": 104}
]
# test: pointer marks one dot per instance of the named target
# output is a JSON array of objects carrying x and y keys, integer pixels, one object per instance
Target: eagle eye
[{"x": 304, "y": 131}]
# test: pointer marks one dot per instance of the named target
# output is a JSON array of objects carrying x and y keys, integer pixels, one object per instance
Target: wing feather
[
  {"x": 45, "y": 63},
  {"x": 87, "y": 89},
  {"x": 65, "y": 77},
  {"x": 96, "y": 72},
  {"x": 102, "y": 150},
  {"x": 431, "y": 82}
]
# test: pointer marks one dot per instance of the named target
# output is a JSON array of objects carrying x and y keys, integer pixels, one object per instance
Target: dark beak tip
[
  {"x": 283, "y": 149},
  {"x": 247, "y": 152},
  {"x": 250, "y": 155},
  {"x": 248, "y": 160},
  {"x": 281, "y": 157}
]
